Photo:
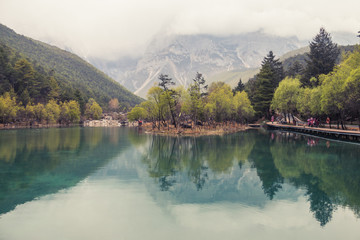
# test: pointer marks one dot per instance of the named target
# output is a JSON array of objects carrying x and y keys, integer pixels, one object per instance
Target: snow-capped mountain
[{"x": 181, "y": 57}]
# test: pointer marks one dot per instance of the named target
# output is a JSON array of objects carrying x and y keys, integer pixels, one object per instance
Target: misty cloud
[{"x": 113, "y": 28}]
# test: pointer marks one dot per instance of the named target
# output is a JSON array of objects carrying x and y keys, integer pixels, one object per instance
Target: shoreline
[
  {"x": 164, "y": 131},
  {"x": 197, "y": 132},
  {"x": 36, "y": 126}
]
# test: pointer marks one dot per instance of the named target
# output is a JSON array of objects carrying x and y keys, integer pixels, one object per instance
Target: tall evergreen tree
[
  {"x": 54, "y": 88},
  {"x": 239, "y": 88},
  {"x": 276, "y": 68},
  {"x": 264, "y": 91},
  {"x": 79, "y": 97},
  {"x": 25, "y": 77},
  {"x": 250, "y": 88},
  {"x": 322, "y": 58},
  {"x": 5, "y": 69},
  {"x": 271, "y": 73},
  {"x": 295, "y": 69}
]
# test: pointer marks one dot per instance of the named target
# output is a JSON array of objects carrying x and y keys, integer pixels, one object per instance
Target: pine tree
[
  {"x": 276, "y": 68},
  {"x": 54, "y": 89},
  {"x": 165, "y": 81},
  {"x": 271, "y": 73},
  {"x": 295, "y": 69},
  {"x": 79, "y": 97},
  {"x": 322, "y": 58},
  {"x": 25, "y": 78},
  {"x": 239, "y": 88},
  {"x": 250, "y": 87},
  {"x": 5, "y": 69},
  {"x": 264, "y": 91}
]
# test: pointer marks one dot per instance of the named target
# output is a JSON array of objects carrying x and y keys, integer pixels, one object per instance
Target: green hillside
[{"x": 72, "y": 73}]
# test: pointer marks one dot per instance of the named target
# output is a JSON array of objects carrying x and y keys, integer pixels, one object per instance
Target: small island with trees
[{"x": 199, "y": 109}]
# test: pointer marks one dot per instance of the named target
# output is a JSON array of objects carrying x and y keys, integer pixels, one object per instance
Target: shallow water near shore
[{"x": 119, "y": 183}]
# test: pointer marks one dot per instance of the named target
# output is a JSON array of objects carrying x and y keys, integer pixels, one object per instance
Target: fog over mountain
[
  {"x": 133, "y": 41},
  {"x": 181, "y": 56},
  {"x": 109, "y": 29}
]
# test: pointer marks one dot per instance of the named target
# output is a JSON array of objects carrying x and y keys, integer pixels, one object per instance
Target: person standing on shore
[{"x": 328, "y": 122}]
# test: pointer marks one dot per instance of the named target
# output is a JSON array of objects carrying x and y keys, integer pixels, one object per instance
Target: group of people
[
  {"x": 311, "y": 142},
  {"x": 313, "y": 122}
]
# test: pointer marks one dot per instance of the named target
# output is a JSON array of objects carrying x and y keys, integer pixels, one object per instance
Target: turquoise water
[{"x": 118, "y": 183}]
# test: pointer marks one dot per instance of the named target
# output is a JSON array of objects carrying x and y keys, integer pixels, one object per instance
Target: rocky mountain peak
[{"x": 182, "y": 56}]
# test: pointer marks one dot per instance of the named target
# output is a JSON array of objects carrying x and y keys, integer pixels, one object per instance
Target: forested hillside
[{"x": 73, "y": 75}]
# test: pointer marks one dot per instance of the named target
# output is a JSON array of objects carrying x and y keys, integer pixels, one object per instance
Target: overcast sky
[{"x": 113, "y": 28}]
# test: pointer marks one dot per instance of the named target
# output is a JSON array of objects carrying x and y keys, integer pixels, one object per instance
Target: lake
[{"x": 119, "y": 183}]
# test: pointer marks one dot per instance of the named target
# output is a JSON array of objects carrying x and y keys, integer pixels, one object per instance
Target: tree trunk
[
  {"x": 342, "y": 121},
  {"x": 294, "y": 122},
  {"x": 171, "y": 111},
  {"x": 173, "y": 117}
]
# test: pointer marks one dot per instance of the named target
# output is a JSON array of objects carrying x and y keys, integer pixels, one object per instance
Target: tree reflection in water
[
  {"x": 262, "y": 160},
  {"x": 167, "y": 156},
  {"x": 329, "y": 173},
  {"x": 37, "y": 162}
]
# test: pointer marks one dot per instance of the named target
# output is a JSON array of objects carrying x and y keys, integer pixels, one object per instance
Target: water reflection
[
  {"x": 262, "y": 160},
  {"x": 166, "y": 156},
  {"x": 256, "y": 170},
  {"x": 329, "y": 173},
  {"x": 34, "y": 163}
]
